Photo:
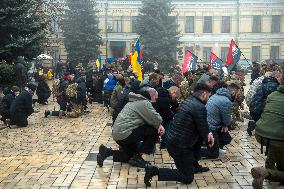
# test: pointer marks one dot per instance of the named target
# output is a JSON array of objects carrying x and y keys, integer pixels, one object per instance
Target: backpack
[{"x": 71, "y": 90}]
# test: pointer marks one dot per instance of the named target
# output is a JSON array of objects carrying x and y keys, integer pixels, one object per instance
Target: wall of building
[{"x": 241, "y": 23}]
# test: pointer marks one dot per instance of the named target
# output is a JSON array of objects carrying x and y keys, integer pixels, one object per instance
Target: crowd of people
[{"x": 191, "y": 114}]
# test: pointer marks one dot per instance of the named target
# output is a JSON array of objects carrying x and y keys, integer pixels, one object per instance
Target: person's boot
[
  {"x": 104, "y": 152},
  {"x": 138, "y": 161},
  {"x": 8, "y": 123},
  {"x": 46, "y": 113},
  {"x": 150, "y": 171},
  {"x": 200, "y": 169},
  {"x": 251, "y": 127},
  {"x": 259, "y": 174}
]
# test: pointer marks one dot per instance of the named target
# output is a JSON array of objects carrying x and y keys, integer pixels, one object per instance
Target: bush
[{"x": 7, "y": 74}]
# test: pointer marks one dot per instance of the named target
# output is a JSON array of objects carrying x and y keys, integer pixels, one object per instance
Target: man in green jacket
[
  {"x": 138, "y": 121},
  {"x": 270, "y": 132}
]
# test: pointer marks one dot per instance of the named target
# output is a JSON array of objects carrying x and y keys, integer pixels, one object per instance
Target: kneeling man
[{"x": 138, "y": 121}]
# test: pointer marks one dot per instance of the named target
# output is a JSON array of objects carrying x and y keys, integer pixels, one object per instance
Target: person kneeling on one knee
[
  {"x": 184, "y": 139},
  {"x": 138, "y": 121}
]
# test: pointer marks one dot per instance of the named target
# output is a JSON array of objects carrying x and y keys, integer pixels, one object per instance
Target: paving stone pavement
[{"x": 52, "y": 152}]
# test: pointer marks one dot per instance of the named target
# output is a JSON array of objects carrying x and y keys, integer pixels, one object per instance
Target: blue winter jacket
[{"x": 219, "y": 109}]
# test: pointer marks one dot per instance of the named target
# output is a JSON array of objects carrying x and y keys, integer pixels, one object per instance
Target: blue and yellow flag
[
  {"x": 99, "y": 63},
  {"x": 136, "y": 60}
]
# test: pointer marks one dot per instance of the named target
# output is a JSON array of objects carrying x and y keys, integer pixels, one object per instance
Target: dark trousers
[
  {"x": 220, "y": 140},
  {"x": 19, "y": 121},
  {"x": 129, "y": 146},
  {"x": 43, "y": 98},
  {"x": 185, "y": 161},
  {"x": 62, "y": 104}
]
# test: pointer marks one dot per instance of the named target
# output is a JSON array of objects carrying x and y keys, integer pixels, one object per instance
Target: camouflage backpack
[
  {"x": 55, "y": 88},
  {"x": 71, "y": 90}
]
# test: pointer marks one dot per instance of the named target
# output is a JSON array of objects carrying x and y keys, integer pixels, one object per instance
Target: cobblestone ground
[{"x": 52, "y": 152}]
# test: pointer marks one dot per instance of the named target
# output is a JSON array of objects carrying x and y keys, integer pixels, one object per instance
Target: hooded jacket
[
  {"x": 271, "y": 123},
  {"x": 6, "y": 103},
  {"x": 269, "y": 85},
  {"x": 136, "y": 113},
  {"x": 219, "y": 109}
]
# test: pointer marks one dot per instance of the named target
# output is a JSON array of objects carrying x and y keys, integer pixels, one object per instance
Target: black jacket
[
  {"x": 189, "y": 124},
  {"x": 43, "y": 89},
  {"x": 22, "y": 106},
  {"x": 21, "y": 73},
  {"x": 81, "y": 91},
  {"x": 6, "y": 103},
  {"x": 164, "y": 105}
]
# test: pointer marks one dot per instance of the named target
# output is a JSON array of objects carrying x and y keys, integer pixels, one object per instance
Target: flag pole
[{"x": 242, "y": 54}]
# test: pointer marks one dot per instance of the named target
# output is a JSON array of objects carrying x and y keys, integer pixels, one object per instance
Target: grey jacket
[{"x": 137, "y": 112}]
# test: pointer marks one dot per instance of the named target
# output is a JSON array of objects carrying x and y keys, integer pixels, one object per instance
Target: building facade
[{"x": 205, "y": 26}]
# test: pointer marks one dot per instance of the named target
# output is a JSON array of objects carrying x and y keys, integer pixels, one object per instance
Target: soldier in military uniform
[
  {"x": 238, "y": 102},
  {"x": 186, "y": 83}
]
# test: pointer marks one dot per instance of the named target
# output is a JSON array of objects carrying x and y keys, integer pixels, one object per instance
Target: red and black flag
[
  {"x": 190, "y": 62},
  {"x": 233, "y": 57}
]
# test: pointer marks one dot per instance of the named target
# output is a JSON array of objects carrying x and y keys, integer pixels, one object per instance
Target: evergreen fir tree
[
  {"x": 22, "y": 29},
  {"x": 82, "y": 39},
  {"x": 158, "y": 32}
]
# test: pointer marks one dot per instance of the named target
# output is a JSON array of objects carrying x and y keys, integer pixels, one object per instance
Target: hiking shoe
[
  {"x": 8, "y": 123},
  {"x": 104, "y": 152},
  {"x": 46, "y": 113},
  {"x": 200, "y": 169},
  {"x": 150, "y": 171},
  {"x": 259, "y": 174},
  {"x": 138, "y": 161},
  {"x": 251, "y": 127}
]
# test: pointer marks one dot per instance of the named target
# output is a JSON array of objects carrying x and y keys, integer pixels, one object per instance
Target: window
[
  {"x": 189, "y": 24},
  {"x": 275, "y": 24},
  {"x": 224, "y": 53},
  {"x": 256, "y": 25},
  {"x": 134, "y": 24},
  {"x": 207, "y": 25},
  {"x": 226, "y": 25},
  {"x": 255, "y": 53},
  {"x": 117, "y": 24},
  {"x": 206, "y": 54},
  {"x": 274, "y": 52}
]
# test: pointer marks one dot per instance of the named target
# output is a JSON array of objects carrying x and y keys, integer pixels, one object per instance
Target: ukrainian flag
[
  {"x": 136, "y": 61},
  {"x": 99, "y": 63}
]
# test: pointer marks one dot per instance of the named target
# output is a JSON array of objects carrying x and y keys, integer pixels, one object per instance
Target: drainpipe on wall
[
  {"x": 238, "y": 21},
  {"x": 106, "y": 27}
]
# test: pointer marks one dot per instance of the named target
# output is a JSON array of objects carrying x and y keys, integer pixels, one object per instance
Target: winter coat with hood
[
  {"x": 22, "y": 106},
  {"x": 269, "y": 85},
  {"x": 6, "y": 103},
  {"x": 219, "y": 109},
  {"x": 43, "y": 89},
  {"x": 253, "y": 88},
  {"x": 81, "y": 91},
  {"x": 271, "y": 123},
  {"x": 136, "y": 113}
]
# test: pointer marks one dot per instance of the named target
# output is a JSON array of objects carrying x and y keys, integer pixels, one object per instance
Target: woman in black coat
[{"x": 43, "y": 91}]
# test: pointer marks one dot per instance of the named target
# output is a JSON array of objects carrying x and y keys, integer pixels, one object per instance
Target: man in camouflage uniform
[
  {"x": 238, "y": 102},
  {"x": 186, "y": 83}
]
